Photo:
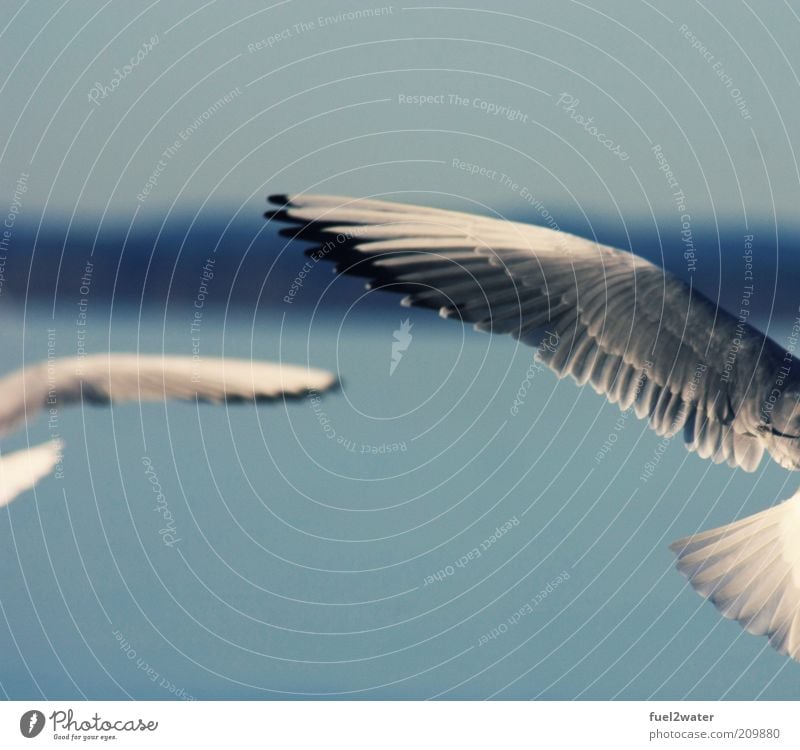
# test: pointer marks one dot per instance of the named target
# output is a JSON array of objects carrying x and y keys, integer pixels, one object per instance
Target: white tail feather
[{"x": 750, "y": 570}]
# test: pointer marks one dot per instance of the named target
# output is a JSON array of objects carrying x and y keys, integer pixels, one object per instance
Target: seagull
[
  {"x": 636, "y": 333},
  {"x": 111, "y": 378}
]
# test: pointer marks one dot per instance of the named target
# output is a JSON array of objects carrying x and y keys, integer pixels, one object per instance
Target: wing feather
[
  {"x": 124, "y": 377},
  {"x": 635, "y": 332}
]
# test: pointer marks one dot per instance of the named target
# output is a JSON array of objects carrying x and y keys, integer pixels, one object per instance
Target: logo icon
[
  {"x": 402, "y": 340},
  {"x": 31, "y": 723}
]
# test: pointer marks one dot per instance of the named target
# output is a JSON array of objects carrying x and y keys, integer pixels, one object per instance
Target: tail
[{"x": 750, "y": 570}]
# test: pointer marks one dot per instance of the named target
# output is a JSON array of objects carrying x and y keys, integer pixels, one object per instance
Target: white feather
[
  {"x": 103, "y": 378},
  {"x": 21, "y": 470},
  {"x": 750, "y": 570}
]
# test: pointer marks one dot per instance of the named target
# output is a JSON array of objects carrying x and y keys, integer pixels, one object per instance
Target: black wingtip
[
  {"x": 278, "y": 199},
  {"x": 280, "y": 215}
]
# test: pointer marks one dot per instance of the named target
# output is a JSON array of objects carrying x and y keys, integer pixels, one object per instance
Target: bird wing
[
  {"x": 21, "y": 470},
  {"x": 634, "y": 331},
  {"x": 126, "y": 377}
]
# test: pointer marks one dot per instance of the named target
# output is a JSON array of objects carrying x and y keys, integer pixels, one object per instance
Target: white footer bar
[{"x": 401, "y": 725}]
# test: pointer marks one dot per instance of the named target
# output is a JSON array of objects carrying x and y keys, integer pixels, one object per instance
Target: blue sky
[{"x": 327, "y": 97}]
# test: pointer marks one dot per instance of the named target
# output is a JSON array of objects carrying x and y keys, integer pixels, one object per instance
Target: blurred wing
[
  {"x": 21, "y": 470},
  {"x": 127, "y": 377},
  {"x": 635, "y": 332}
]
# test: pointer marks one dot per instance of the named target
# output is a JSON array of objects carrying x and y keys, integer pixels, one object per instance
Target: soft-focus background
[{"x": 327, "y": 548}]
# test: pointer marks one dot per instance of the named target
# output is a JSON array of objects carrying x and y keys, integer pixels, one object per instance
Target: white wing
[
  {"x": 636, "y": 333},
  {"x": 21, "y": 470},
  {"x": 126, "y": 377}
]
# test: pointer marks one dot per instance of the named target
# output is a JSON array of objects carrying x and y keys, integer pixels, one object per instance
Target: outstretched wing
[
  {"x": 21, "y": 470},
  {"x": 635, "y": 332},
  {"x": 126, "y": 377}
]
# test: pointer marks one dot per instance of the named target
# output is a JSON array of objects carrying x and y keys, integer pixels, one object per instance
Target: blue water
[{"x": 314, "y": 545}]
